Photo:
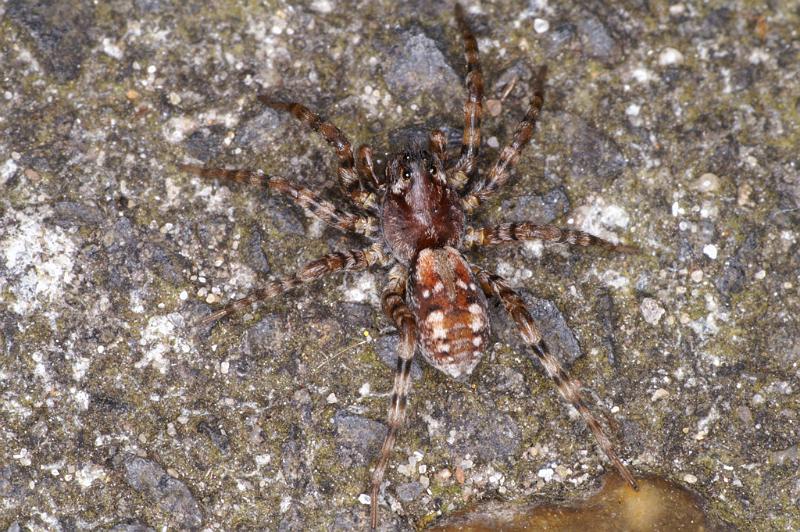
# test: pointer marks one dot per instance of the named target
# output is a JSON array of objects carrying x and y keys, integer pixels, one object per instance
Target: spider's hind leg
[
  {"x": 568, "y": 387},
  {"x": 394, "y": 306}
]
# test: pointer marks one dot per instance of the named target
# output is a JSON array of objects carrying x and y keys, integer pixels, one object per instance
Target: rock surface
[{"x": 117, "y": 412}]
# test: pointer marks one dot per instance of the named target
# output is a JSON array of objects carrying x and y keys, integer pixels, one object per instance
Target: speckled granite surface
[{"x": 674, "y": 127}]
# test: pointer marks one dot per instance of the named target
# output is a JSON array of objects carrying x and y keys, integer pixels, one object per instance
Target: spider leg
[
  {"x": 305, "y": 198},
  {"x": 352, "y": 260},
  {"x": 366, "y": 168},
  {"x": 437, "y": 143},
  {"x": 473, "y": 107},
  {"x": 522, "y": 231},
  {"x": 569, "y": 388},
  {"x": 394, "y": 306},
  {"x": 347, "y": 173},
  {"x": 499, "y": 173}
]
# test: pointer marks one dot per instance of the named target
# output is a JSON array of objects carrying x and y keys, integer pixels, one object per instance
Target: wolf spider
[{"x": 414, "y": 213}]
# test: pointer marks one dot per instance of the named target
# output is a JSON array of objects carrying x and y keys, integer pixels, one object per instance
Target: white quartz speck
[
  {"x": 651, "y": 310},
  {"x": 322, "y": 6},
  {"x": 710, "y": 250},
  {"x": 546, "y": 473},
  {"x": 540, "y": 25},
  {"x": 88, "y": 474},
  {"x": 7, "y": 170},
  {"x": 669, "y": 57}
]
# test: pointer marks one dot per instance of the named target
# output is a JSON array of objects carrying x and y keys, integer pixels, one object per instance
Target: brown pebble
[{"x": 494, "y": 107}]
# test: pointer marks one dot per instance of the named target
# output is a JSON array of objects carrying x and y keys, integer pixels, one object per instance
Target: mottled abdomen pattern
[{"x": 450, "y": 311}]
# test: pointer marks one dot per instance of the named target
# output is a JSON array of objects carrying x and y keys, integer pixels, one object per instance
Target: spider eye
[
  {"x": 407, "y": 174},
  {"x": 432, "y": 169}
]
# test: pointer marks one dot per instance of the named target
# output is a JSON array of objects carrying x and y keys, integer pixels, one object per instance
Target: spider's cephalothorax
[
  {"x": 419, "y": 209},
  {"x": 434, "y": 296}
]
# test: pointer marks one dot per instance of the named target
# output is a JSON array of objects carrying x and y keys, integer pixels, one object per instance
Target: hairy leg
[
  {"x": 568, "y": 387},
  {"x": 473, "y": 107},
  {"x": 522, "y": 231},
  {"x": 509, "y": 156},
  {"x": 366, "y": 168},
  {"x": 394, "y": 306},
  {"x": 305, "y": 198},
  {"x": 352, "y": 260},
  {"x": 347, "y": 173}
]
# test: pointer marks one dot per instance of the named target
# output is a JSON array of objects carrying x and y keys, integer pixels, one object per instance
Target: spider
[{"x": 414, "y": 213}]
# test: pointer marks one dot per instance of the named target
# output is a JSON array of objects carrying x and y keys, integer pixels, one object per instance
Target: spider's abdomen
[{"x": 450, "y": 311}]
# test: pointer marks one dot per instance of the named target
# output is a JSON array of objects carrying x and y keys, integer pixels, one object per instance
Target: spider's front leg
[
  {"x": 523, "y": 231},
  {"x": 569, "y": 388},
  {"x": 473, "y": 107},
  {"x": 395, "y": 308},
  {"x": 498, "y": 175},
  {"x": 305, "y": 198},
  {"x": 354, "y": 178},
  {"x": 352, "y": 260}
]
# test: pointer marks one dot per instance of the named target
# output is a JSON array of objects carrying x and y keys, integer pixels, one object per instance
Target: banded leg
[
  {"x": 305, "y": 198},
  {"x": 569, "y": 388},
  {"x": 499, "y": 173},
  {"x": 352, "y": 260},
  {"x": 473, "y": 107},
  {"x": 522, "y": 231},
  {"x": 347, "y": 174},
  {"x": 396, "y": 309}
]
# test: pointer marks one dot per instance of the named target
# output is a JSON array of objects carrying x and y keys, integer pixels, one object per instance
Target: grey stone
[
  {"x": 417, "y": 66},
  {"x": 170, "y": 494},
  {"x": 595, "y": 39},
  {"x": 62, "y": 33},
  {"x": 478, "y": 429},
  {"x": 253, "y": 252},
  {"x": 131, "y": 527},
  {"x": 358, "y": 438},
  {"x": 409, "y": 491},
  {"x": 205, "y": 143},
  {"x": 70, "y": 213},
  {"x": 594, "y": 155}
]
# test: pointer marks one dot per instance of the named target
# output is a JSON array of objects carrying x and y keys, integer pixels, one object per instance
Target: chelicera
[{"x": 414, "y": 214}]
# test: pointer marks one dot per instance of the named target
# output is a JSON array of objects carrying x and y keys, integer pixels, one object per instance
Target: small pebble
[
  {"x": 540, "y": 25},
  {"x": 710, "y": 250},
  {"x": 669, "y": 57},
  {"x": 696, "y": 276},
  {"x": 689, "y": 478},
  {"x": 494, "y": 106},
  {"x": 661, "y": 393},
  {"x": 707, "y": 182},
  {"x": 651, "y": 310},
  {"x": 443, "y": 475},
  {"x": 743, "y": 195}
]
